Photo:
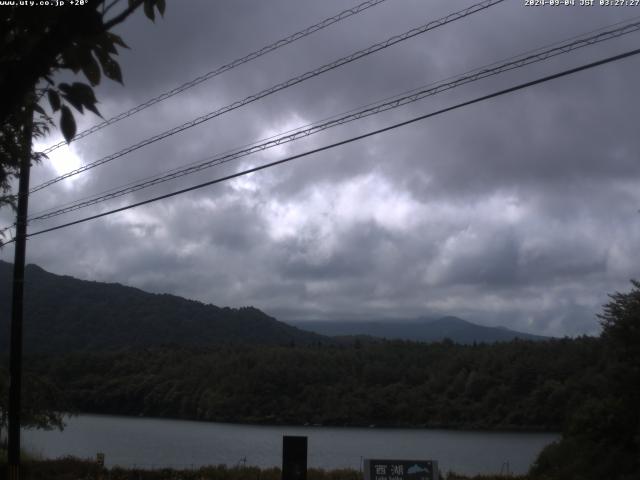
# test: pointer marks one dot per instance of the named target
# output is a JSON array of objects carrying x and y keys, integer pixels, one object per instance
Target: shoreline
[
  {"x": 257, "y": 423},
  {"x": 179, "y": 443}
]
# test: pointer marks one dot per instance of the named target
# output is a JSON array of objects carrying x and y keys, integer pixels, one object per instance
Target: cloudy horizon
[{"x": 520, "y": 211}]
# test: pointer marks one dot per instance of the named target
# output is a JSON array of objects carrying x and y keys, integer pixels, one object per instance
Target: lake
[{"x": 155, "y": 443}]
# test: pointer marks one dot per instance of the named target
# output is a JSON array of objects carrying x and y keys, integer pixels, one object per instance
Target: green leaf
[
  {"x": 90, "y": 67},
  {"x": 71, "y": 59},
  {"x": 64, "y": 87},
  {"x": 67, "y": 123},
  {"x": 111, "y": 69},
  {"x": 39, "y": 109},
  {"x": 104, "y": 43},
  {"x": 54, "y": 99},
  {"x": 77, "y": 104},
  {"x": 104, "y": 59},
  {"x": 83, "y": 93},
  {"x": 117, "y": 40},
  {"x": 67, "y": 94},
  {"x": 148, "y": 10},
  {"x": 162, "y": 5}
]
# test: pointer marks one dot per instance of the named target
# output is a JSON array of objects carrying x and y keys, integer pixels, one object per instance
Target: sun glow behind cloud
[{"x": 61, "y": 161}]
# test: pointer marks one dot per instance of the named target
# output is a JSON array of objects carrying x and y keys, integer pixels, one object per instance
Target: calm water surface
[{"x": 155, "y": 443}]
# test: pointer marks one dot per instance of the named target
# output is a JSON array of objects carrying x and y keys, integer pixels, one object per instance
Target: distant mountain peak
[
  {"x": 450, "y": 319},
  {"x": 423, "y": 329}
]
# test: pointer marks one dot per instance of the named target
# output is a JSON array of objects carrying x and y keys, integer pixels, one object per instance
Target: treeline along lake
[{"x": 520, "y": 385}]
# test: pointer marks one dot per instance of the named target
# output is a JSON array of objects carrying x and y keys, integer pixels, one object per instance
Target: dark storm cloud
[{"x": 520, "y": 211}]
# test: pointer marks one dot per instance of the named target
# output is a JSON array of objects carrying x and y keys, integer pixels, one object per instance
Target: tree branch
[
  {"x": 109, "y": 7},
  {"x": 123, "y": 15}
]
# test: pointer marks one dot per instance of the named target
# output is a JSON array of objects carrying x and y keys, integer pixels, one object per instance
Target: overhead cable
[
  {"x": 276, "y": 88},
  {"x": 224, "y": 68},
  {"x": 372, "y": 109},
  {"x": 344, "y": 142}
]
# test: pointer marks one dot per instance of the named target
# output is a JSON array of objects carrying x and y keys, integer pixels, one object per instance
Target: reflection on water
[{"x": 155, "y": 443}]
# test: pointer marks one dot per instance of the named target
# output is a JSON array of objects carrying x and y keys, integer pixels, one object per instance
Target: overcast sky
[{"x": 520, "y": 211}]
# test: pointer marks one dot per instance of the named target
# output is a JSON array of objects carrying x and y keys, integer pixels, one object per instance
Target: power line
[
  {"x": 344, "y": 142},
  {"x": 517, "y": 61},
  {"x": 281, "y": 86},
  {"x": 224, "y": 68},
  {"x": 372, "y": 109}
]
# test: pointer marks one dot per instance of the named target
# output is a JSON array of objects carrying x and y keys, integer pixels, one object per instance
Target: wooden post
[
  {"x": 294, "y": 458},
  {"x": 15, "y": 355}
]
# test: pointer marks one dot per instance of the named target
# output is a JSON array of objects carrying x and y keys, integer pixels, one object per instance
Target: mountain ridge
[
  {"x": 63, "y": 313},
  {"x": 422, "y": 329}
]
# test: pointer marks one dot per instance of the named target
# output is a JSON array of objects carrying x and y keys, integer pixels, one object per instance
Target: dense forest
[
  {"x": 589, "y": 388},
  {"x": 516, "y": 385}
]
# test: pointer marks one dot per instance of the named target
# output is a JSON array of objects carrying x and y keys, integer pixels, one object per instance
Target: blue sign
[{"x": 400, "y": 469}]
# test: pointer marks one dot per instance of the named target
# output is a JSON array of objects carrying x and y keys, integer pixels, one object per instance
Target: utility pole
[{"x": 15, "y": 355}]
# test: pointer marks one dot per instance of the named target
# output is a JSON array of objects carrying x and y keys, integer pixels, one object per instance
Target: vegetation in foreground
[
  {"x": 601, "y": 439},
  {"x": 73, "y": 468},
  {"x": 593, "y": 385}
]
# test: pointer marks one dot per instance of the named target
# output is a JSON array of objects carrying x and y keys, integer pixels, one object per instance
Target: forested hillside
[
  {"x": 418, "y": 330},
  {"x": 66, "y": 314},
  {"x": 508, "y": 385}
]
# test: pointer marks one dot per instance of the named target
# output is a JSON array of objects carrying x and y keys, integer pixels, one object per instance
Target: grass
[{"x": 70, "y": 468}]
